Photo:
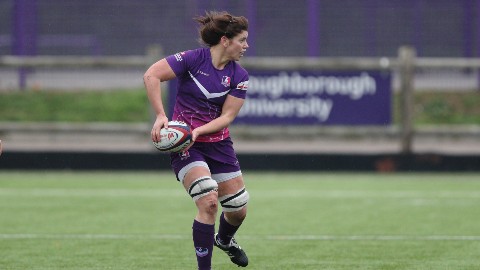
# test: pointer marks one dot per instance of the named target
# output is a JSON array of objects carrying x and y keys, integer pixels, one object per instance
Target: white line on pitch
[
  {"x": 249, "y": 237},
  {"x": 376, "y": 237},
  {"x": 340, "y": 194},
  {"x": 93, "y": 236},
  {"x": 58, "y": 192}
]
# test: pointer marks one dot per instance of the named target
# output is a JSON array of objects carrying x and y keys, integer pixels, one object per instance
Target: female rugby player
[{"x": 212, "y": 88}]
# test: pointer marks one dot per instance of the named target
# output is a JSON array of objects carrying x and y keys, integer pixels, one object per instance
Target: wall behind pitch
[{"x": 277, "y": 27}]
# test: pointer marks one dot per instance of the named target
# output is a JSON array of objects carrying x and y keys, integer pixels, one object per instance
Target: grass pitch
[{"x": 142, "y": 220}]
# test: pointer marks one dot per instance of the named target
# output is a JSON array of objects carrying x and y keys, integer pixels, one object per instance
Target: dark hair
[{"x": 214, "y": 25}]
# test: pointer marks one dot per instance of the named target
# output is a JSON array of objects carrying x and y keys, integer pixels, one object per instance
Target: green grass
[
  {"x": 79, "y": 106},
  {"x": 431, "y": 107},
  {"x": 438, "y": 107},
  {"x": 142, "y": 220},
  {"x": 453, "y": 108}
]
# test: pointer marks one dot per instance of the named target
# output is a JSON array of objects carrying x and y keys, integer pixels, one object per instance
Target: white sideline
[{"x": 248, "y": 237}]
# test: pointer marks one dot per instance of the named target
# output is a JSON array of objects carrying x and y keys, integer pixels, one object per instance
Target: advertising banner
[{"x": 317, "y": 98}]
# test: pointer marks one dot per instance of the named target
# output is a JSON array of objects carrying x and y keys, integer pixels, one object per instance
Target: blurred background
[
  {"x": 71, "y": 77},
  {"x": 277, "y": 28}
]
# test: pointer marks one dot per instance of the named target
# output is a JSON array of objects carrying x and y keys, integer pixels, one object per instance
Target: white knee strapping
[
  {"x": 235, "y": 202},
  {"x": 201, "y": 187}
]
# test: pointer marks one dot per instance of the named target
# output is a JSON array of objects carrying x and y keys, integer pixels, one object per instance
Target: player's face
[{"x": 238, "y": 46}]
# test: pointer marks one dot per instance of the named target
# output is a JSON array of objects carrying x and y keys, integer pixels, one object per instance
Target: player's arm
[
  {"x": 230, "y": 110},
  {"x": 158, "y": 72}
]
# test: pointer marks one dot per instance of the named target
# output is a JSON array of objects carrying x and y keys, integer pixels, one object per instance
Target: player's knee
[
  {"x": 203, "y": 186},
  {"x": 235, "y": 202},
  {"x": 236, "y": 218},
  {"x": 208, "y": 204},
  {"x": 241, "y": 215}
]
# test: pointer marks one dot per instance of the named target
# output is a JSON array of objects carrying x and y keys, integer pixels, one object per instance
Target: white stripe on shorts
[
  {"x": 184, "y": 170},
  {"x": 222, "y": 177},
  {"x": 219, "y": 177}
]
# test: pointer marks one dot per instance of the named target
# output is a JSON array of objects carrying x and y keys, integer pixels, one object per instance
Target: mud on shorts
[{"x": 218, "y": 157}]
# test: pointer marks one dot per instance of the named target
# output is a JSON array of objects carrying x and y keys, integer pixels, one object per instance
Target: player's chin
[{"x": 238, "y": 57}]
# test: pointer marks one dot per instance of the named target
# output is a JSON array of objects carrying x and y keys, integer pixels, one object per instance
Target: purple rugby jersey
[{"x": 202, "y": 89}]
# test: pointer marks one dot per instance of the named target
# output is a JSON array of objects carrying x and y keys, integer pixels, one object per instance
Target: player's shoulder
[
  {"x": 239, "y": 70},
  {"x": 187, "y": 60},
  {"x": 189, "y": 54}
]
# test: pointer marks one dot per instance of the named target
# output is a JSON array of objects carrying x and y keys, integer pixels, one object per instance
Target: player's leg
[
  {"x": 194, "y": 174},
  {"x": 233, "y": 198},
  {"x": 203, "y": 190}
]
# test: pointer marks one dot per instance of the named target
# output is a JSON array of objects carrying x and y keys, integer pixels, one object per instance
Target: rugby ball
[{"x": 175, "y": 138}]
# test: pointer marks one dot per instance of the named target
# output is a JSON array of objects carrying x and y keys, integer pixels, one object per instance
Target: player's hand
[
  {"x": 195, "y": 134},
  {"x": 160, "y": 122}
]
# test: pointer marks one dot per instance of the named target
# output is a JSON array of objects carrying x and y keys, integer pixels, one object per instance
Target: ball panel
[{"x": 175, "y": 138}]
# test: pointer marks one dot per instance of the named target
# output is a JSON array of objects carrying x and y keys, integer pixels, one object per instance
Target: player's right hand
[{"x": 160, "y": 122}]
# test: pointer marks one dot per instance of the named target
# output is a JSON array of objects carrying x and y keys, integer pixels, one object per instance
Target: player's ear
[{"x": 225, "y": 41}]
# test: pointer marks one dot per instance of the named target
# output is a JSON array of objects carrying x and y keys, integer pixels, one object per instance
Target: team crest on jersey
[
  {"x": 179, "y": 55},
  {"x": 226, "y": 81}
]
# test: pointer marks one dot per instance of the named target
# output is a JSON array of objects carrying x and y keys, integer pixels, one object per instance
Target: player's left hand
[{"x": 195, "y": 134}]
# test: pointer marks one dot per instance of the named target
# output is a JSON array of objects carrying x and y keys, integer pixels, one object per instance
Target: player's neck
[{"x": 219, "y": 60}]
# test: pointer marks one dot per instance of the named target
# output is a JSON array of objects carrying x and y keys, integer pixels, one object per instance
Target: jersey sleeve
[
  {"x": 240, "y": 84},
  {"x": 182, "y": 61}
]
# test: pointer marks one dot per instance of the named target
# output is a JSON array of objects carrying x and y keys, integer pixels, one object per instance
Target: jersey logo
[
  {"x": 205, "y": 91},
  {"x": 226, "y": 81},
  {"x": 179, "y": 55},
  {"x": 184, "y": 155},
  {"x": 243, "y": 86}
]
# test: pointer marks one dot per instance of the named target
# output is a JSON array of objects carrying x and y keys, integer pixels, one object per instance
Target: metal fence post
[
  {"x": 406, "y": 55},
  {"x": 25, "y": 32}
]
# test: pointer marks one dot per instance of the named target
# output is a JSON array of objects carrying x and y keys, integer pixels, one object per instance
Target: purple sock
[
  {"x": 203, "y": 242},
  {"x": 226, "y": 231}
]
